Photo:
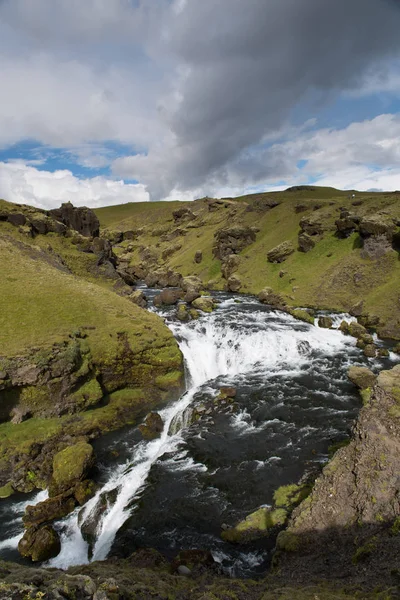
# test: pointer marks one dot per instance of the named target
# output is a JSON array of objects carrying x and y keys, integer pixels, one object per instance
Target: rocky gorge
[{"x": 82, "y": 357}]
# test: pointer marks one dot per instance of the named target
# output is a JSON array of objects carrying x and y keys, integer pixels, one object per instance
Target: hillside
[
  {"x": 333, "y": 271},
  {"x": 80, "y": 357},
  {"x": 76, "y": 359}
]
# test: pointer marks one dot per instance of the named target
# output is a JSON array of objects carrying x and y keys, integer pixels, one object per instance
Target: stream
[{"x": 215, "y": 462}]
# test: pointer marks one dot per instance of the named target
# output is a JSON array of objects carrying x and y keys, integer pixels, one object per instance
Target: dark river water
[{"x": 293, "y": 401}]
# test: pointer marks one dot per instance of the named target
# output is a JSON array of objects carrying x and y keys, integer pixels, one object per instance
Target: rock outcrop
[
  {"x": 82, "y": 219},
  {"x": 281, "y": 252},
  {"x": 232, "y": 240},
  {"x": 348, "y": 526}
]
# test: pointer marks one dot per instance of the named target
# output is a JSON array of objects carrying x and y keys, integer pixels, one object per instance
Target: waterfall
[{"x": 229, "y": 342}]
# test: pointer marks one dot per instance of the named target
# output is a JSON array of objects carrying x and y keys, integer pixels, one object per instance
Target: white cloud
[{"x": 25, "y": 184}]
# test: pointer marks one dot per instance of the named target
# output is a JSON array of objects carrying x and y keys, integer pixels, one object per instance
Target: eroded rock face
[
  {"x": 183, "y": 214},
  {"x": 230, "y": 265},
  {"x": 351, "y": 515},
  {"x": 82, "y": 219},
  {"x": 376, "y": 225},
  {"x": 362, "y": 377},
  {"x": 232, "y": 240},
  {"x": 312, "y": 225}
]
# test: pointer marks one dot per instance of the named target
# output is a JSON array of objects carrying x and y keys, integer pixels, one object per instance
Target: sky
[{"x": 110, "y": 101}]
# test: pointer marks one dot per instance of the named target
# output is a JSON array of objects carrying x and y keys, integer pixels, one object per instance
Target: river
[{"x": 293, "y": 400}]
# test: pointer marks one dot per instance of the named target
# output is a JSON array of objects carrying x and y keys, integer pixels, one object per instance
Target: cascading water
[{"x": 292, "y": 395}]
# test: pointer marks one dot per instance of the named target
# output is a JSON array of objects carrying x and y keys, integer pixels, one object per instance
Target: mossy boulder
[
  {"x": 255, "y": 526},
  {"x": 71, "y": 466},
  {"x": 204, "y": 303},
  {"x": 281, "y": 252},
  {"x": 374, "y": 225},
  {"x": 182, "y": 313},
  {"x": 325, "y": 322},
  {"x": 302, "y": 315},
  {"x": 370, "y": 351},
  {"x": 6, "y": 490},
  {"x": 85, "y": 490},
  {"x": 362, "y": 377},
  {"x": 39, "y": 544},
  {"x": 152, "y": 427},
  {"x": 390, "y": 382}
]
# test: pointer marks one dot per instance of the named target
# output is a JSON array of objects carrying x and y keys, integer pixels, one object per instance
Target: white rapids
[{"x": 229, "y": 342}]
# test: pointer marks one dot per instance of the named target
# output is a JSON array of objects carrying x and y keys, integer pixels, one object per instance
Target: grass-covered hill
[
  {"x": 340, "y": 248},
  {"x": 76, "y": 358}
]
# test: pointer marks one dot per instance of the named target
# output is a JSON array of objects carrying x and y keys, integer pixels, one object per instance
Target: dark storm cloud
[{"x": 250, "y": 62}]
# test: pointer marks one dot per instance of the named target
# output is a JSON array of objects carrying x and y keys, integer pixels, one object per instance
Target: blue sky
[{"x": 111, "y": 101}]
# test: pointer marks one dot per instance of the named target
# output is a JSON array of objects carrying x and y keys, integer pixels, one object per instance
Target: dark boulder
[
  {"x": 82, "y": 219},
  {"x": 39, "y": 544},
  {"x": 16, "y": 219},
  {"x": 152, "y": 426},
  {"x": 346, "y": 225},
  {"x": 168, "y": 297},
  {"x": 198, "y": 257},
  {"x": 305, "y": 242}
]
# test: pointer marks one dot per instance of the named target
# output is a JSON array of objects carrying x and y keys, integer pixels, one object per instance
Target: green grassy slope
[{"x": 333, "y": 275}]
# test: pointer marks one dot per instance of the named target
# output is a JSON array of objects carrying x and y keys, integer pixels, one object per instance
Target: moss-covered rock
[
  {"x": 362, "y": 377},
  {"x": 85, "y": 490},
  {"x": 204, "y": 303},
  {"x": 39, "y": 544},
  {"x": 256, "y": 525},
  {"x": 325, "y": 322},
  {"x": 71, "y": 466},
  {"x": 281, "y": 252},
  {"x": 152, "y": 427},
  {"x": 302, "y": 315},
  {"x": 6, "y": 490}
]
